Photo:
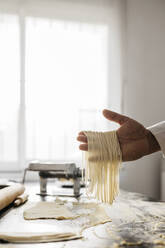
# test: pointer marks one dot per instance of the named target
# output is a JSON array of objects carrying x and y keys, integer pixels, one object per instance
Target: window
[
  {"x": 58, "y": 70},
  {"x": 66, "y": 79},
  {"x": 65, "y": 87}
]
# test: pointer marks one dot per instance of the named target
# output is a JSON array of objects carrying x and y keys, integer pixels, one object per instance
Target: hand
[{"x": 134, "y": 139}]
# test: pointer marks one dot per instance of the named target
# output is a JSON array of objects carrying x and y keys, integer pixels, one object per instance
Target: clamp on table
[{"x": 56, "y": 170}]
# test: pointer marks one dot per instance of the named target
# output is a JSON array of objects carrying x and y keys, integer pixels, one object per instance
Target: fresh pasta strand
[{"x": 102, "y": 164}]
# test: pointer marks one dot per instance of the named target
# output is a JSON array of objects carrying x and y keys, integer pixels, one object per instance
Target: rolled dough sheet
[
  {"x": 48, "y": 210},
  {"x": 42, "y": 237},
  {"x": 91, "y": 214},
  {"x": 99, "y": 216},
  {"x": 94, "y": 214}
]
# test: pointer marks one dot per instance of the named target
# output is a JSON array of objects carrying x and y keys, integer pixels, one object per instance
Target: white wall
[{"x": 144, "y": 88}]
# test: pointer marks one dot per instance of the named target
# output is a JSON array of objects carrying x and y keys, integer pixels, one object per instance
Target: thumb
[{"x": 113, "y": 116}]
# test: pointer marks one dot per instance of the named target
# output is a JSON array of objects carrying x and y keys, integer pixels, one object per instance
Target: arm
[{"x": 135, "y": 140}]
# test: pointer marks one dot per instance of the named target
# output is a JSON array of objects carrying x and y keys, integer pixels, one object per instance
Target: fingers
[
  {"x": 81, "y": 133},
  {"x": 83, "y": 147},
  {"x": 82, "y": 138},
  {"x": 113, "y": 116}
]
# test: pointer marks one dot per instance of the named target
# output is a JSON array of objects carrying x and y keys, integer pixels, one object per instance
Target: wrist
[{"x": 153, "y": 143}]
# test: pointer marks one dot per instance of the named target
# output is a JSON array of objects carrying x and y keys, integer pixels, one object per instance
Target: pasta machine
[{"x": 56, "y": 170}]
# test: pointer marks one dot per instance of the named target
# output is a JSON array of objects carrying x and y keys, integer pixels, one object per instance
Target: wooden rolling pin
[
  {"x": 20, "y": 199},
  {"x": 9, "y": 194}
]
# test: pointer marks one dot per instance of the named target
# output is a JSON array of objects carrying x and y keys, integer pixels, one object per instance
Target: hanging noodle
[{"x": 102, "y": 162}]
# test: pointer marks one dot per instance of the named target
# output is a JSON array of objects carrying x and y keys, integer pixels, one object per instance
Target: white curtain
[
  {"x": 9, "y": 89},
  {"x": 60, "y": 65}
]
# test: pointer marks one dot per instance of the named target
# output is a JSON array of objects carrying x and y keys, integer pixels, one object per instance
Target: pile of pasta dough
[{"x": 102, "y": 164}]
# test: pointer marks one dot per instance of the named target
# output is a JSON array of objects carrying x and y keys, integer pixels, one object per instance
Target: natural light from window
[
  {"x": 65, "y": 82},
  {"x": 66, "y": 79}
]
